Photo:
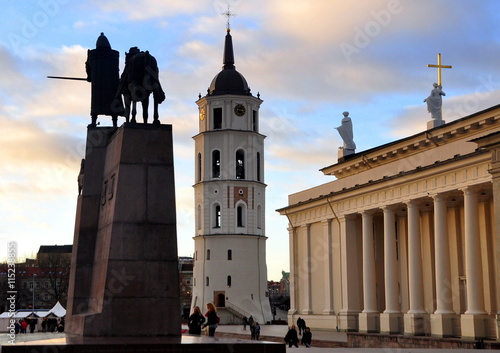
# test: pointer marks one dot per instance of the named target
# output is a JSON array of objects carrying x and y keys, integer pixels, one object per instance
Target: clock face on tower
[
  {"x": 202, "y": 114},
  {"x": 239, "y": 110}
]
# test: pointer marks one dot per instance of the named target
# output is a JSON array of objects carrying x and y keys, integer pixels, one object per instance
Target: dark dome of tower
[{"x": 229, "y": 81}]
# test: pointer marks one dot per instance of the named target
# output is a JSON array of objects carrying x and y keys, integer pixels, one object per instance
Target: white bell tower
[{"x": 230, "y": 243}]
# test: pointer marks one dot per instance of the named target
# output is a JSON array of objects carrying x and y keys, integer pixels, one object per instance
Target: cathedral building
[
  {"x": 406, "y": 240},
  {"x": 230, "y": 242}
]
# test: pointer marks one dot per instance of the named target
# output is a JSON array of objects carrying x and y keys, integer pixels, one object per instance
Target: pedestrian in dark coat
[
  {"x": 301, "y": 324},
  {"x": 195, "y": 321},
  {"x": 307, "y": 337},
  {"x": 291, "y": 337},
  {"x": 212, "y": 319}
]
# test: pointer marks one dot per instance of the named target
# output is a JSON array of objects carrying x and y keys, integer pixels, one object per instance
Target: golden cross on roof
[
  {"x": 439, "y": 67},
  {"x": 228, "y": 13}
]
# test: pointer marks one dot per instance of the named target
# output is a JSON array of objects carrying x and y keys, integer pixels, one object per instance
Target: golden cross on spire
[
  {"x": 439, "y": 67},
  {"x": 228, "y": 13}
]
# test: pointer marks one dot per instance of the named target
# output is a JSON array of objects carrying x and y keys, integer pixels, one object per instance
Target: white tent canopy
[{"x": 5, "y": 317}]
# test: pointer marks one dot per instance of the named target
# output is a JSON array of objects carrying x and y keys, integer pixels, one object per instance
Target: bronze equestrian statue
[{"x": 138, "y": 80}]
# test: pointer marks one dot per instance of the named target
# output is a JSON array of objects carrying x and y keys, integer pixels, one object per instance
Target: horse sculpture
[{"x": 139, "y": 79}]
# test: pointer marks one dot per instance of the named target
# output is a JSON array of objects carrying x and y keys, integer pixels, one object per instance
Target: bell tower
[{"x": 230, "y": 242}]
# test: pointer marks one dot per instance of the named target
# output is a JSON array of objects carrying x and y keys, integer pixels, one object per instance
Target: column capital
[
  {"x": 389, "y": 208},
  {"x": 366, "y": 213},
  {"x": 438, "y": 197}
]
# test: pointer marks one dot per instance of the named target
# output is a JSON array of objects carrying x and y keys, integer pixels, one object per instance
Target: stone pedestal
[
  {"x": 369, "y": 322},
  {"x": 442, "y": 325},
  {"x": 435, "y": 123},
  {"x": 124, "y": 274},
  {"x": 417, "y": 324},
  {"x": 473, "y": 326},
  {"x": 389, "y": 323}
]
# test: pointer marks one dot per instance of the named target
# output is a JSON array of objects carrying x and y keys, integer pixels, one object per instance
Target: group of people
[
  {"x": 196, "y": 321},
  {"x": 254, "y": 327},
  {"x": 48, "y": 325},
  {"x": 292, "y": 338}
]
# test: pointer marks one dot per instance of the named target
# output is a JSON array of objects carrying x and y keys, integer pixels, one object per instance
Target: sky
[{"x": 309, "y": 60}]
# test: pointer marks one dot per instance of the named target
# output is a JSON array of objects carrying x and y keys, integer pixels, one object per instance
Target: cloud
[{"x": 141, "y": 10}]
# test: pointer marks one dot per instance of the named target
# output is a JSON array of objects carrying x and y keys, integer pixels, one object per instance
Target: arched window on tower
[
  {"x": 254, "y": 121},
  {"x": 258, "y": 166},
  {"x": 199, "y": 167},
  {"x": 208, "y": 254},
  {"x": 217, "y": 215},
  {"x": 216, "y": 164},
  {"x": 229, "y": 281},
  {"x": 240, "y": 164},
  {"x": 229, "y": 254},
  {"x": 240, "y": 216},
  {"x": 207, "y": 281}
]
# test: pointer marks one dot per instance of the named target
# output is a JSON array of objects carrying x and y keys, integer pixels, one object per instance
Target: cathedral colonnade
[
  {"x": 423, "y": 266},
  {"x": 406, "y": 239}
]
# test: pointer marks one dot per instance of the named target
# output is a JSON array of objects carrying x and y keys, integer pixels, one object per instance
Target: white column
[
  {"x": 416, "y": 320},
  {"x": 441, "y": 320},
  {"x": 473, "y": 321},
  {"x": 369, "y": 284},
  {"x": 389, "y": 319},
  {"x": 444, "y": 303},
  {"x": 293, "y": 271},
  {"x": 348, "y": 315},
  {"x": 390, "y": 262},
  {"x": 473, "y": 270},
  {"x": 369, "y": 318},
  {"x": 305, "y": 272},
  {"x": 328, "y": 263},
  {"x": 415, "y": 274}
]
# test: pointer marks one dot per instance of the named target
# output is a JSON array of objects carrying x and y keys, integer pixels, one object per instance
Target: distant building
[{"x": 186, "y": 284}]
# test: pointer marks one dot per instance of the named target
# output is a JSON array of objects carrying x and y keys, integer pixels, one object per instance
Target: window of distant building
[{"x": 230, "y": 254}]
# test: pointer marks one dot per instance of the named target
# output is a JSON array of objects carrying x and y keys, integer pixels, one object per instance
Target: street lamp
[{"x": 33, "y": 306}]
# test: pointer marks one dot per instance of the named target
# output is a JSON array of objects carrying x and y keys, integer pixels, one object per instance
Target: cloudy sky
[{"x": 310, "y": 61}]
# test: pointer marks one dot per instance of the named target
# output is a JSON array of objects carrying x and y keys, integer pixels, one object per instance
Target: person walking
[
  {"x": 301, "y": 324},
  {"x": 212, "y": 319},
  {"x": 291, "y": 337},
  {"x": 307, "y": 337},
  {"x": 195, "y": 321},
  {"x": 256, "y": 329}
]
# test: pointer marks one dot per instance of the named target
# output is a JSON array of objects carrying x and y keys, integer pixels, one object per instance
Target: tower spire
[{"x": 228, "y": 52}]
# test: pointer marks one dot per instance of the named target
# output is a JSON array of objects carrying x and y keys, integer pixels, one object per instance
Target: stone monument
[{"x": 124, "y": 274}]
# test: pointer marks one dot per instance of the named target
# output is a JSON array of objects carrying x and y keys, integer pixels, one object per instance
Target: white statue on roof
[
  {"x": 345, "y": 131},
  {"x": 435, "y": 101}
]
